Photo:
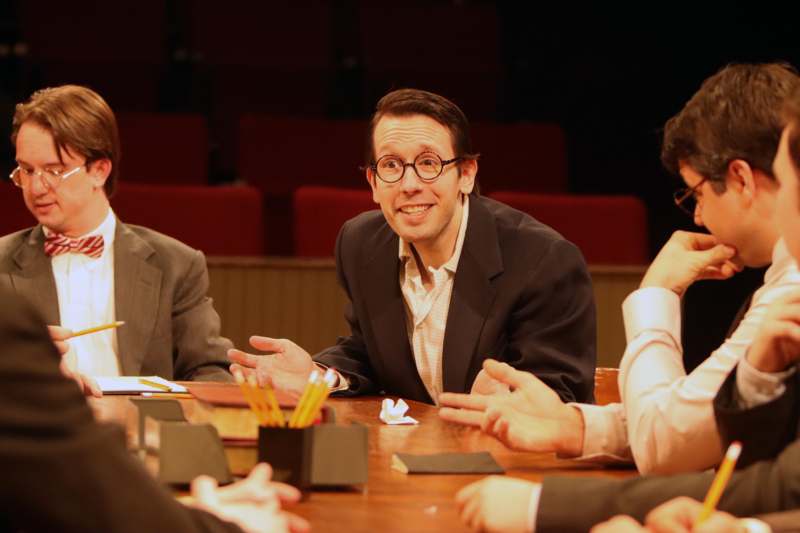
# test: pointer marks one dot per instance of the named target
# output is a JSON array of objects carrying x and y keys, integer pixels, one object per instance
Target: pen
[
  {"x": 155, "y": 384},
  {"x": 96, "y": 329},
  {"x": 720, "y": 480}
]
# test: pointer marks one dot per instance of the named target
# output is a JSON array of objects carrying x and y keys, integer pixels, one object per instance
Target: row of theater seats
[
  {"x": 277, "y": 155},
  {"x": 231, "y": 220}
]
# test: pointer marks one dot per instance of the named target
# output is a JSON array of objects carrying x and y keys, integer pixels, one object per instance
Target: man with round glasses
[
  {"x": 81, "y": 267},
  {"x": 441, "y": 279}
]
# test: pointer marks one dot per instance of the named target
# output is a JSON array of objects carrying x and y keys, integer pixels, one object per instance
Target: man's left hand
[{"x": 497, "y": 504}]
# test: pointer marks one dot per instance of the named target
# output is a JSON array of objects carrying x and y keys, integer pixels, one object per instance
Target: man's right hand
[
  {"x": 287, "y": 366},
  {"x": 688, "y": 257},
  {"x": 531, "y": 418},
  {"x": 87, "y": 384}
]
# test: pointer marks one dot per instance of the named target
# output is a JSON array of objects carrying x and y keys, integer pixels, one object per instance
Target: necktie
[{"x": 57, "y": 244}]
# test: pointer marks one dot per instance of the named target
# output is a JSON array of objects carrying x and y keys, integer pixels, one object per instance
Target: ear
[
  {"x": 99, "y": 172},
  {"x": 371, "y": 179},
  {"x": 741, "y": 178},
  {"x": 468, "y": 169}
]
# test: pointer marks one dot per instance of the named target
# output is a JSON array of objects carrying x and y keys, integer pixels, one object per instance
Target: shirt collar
[
  {"x": 781, "y": 260},
  {"x": 405, "y": 253}
]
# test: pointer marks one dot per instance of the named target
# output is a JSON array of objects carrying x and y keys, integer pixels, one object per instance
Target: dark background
[{"x": 609, "y": 75}]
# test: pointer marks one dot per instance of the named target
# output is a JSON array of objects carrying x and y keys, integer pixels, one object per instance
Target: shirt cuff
[
  {"x": 605, "y": 437},
  {"x": 342, "y": 383},
  {"x": 652, "y": 308},
  {"x": 533, "y": 506},
  {"x": 756, "y": 387}
]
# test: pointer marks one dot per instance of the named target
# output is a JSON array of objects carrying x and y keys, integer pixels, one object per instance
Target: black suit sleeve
[
  {"x": 349, "y": 355},
  {"x": 552, "y": 331},
  {"x": 62, "y": 470},
  {"x": 764, "y": 487},
  {"x": 764, "y": 430}
]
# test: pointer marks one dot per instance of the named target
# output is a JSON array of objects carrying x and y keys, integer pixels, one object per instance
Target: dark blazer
[
  {"x": 767, "y": 479},
  {"x": 62, "y": 471},
  {"x": 160, "y": 291},
  {"x": 521, "y": 294}
]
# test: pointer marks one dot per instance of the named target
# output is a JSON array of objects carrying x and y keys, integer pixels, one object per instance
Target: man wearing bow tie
[{"x": 82, "y": 267}]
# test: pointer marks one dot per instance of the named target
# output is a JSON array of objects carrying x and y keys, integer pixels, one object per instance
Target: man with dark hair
[
  {"x": 665, "y": 420},
  {"x": 752, "y": 406},
  {"x": 441, "y": 279},
  {"x": 81, "y": 267}
]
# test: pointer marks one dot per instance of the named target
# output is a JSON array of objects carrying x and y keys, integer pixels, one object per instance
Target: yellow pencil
[
  {"x": 720, "y": 480},
  {"x": 324, "y": 391},
  {"x": 273, "y": 402},
  {"x": 155, "y": 384},
  {"x": 298, "y": 409},
  {"x": 96, "y": 329},
  {"x": 237, "y": 375},
  {"x": 252, "y": 384}
]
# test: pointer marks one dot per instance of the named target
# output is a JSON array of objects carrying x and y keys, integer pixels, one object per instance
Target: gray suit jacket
[{"x": 160, "y": 290}]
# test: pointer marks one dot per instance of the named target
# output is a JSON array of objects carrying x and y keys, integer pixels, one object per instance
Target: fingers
[
  {"x": 461, "y": 416},
  {"x": 90, "y": 386},
  {"x": 464, "y": 401},
  {"x": 267, "y": 344},
  {"x": 507, "y": 374},
  {"x": 244, "y": 359},
  {"x": 286, "y": 493},
  {"x": 62, "y": 347},
  {"x": 59, "y": 333},
  {"x": 296, "y": 523},
  {"x": 204, "y": 490}
]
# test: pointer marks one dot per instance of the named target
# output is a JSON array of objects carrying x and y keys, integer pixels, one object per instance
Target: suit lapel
[
  {"x": 472, "y": 296},
  {"x": 380, "y": 286},
  {"x": 137, "y": 285},
  {"x": 34, "y": 278}
]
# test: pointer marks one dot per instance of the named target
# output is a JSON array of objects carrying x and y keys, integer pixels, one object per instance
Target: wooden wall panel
[{"x": 299, "y": 299}]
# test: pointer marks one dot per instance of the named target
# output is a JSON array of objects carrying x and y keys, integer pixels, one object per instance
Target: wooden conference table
[{"x": 392, "y": 501}]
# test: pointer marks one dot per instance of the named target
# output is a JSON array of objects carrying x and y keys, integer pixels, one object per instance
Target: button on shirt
[
  {"x": 85, "y": 289},
  {"x": 426, "y": 310}
]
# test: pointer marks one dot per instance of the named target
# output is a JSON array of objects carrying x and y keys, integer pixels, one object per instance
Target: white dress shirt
[
  {"x": 85, "y": 289},
  {"x": 426, "y": 310},
  {"x": 666, "y": 419}
]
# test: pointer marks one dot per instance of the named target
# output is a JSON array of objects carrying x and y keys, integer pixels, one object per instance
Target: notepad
[
  {"x": 446, "y": 463},
  {"x": 133, "y": 385}
]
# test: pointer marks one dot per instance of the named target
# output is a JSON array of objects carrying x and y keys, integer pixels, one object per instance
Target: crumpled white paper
[{"x": 394, "y": 413}]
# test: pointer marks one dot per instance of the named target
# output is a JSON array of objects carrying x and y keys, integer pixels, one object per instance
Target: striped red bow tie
[{"x": 57, "y": 244}]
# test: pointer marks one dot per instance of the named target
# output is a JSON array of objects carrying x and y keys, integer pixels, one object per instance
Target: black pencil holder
[{"x": 323, "y": 455}]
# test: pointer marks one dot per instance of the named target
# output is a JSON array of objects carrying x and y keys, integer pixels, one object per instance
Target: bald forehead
[{"x": 394, "y": 134}]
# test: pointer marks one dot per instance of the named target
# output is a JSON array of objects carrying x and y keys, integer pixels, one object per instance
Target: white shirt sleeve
[
  {"x": 756, "y": 387},
  {"x": 668, "y": 412},
  {"x": 533, "y": 506},
  {"x": 605, "y": 437},
  {"x": 669, "y": 415}
]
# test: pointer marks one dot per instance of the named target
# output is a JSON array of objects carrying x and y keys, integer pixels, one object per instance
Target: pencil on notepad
[
  {"x": 720, "y": 480},
  {"x": 155, "y": 384},
  {"x": 96, "y": 329}
]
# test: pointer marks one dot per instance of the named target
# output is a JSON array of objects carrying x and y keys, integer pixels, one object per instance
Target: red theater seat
[
  {"x": 164, "y": 148},
  {"x": 528, "y": 156},
  {"x": 609, "y": 230},
  {"x": 278, "y": 155},
  {"x": 319, "y": 213},
  {"x": 216, "y": 220}
]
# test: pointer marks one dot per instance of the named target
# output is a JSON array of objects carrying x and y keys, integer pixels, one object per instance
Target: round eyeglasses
[
  {"x": 686, "y": 198},
  {"x": 427, "y": 166},
  {"x": 51, "y": 178}
]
